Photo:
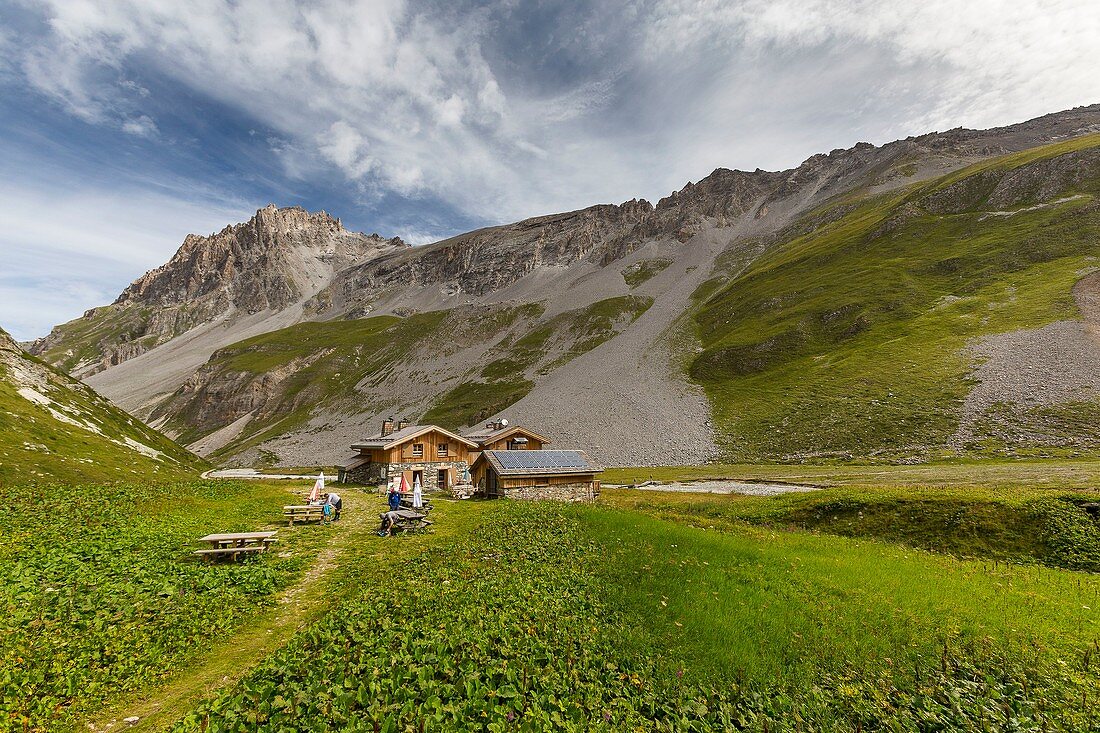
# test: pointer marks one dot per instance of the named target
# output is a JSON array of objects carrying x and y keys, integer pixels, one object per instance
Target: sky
[{"x": 127, "y": 124}]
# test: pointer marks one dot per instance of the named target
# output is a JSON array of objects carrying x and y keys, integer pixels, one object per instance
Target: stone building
[
  {"x": 437, "y": 457},
  {"x": 428, "y": 453},
  {"x": 564, "y": 475}
]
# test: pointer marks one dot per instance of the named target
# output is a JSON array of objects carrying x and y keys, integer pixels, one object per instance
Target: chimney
[
  {"x": 387, "y": 426},
  {"x": 404, "y": 423}
]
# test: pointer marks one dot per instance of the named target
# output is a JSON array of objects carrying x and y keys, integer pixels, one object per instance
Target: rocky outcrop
[
  {"x": 274, "y": 261},
  {"x": 286, "y": 266}
]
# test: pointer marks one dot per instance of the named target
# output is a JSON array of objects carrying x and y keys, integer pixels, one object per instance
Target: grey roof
[
  {"x": 539, "y": 462},
  {"x": 485, "y": 434},
  {"x": 380, "y": 441}
]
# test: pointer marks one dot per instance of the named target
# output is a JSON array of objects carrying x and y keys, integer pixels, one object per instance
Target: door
[
  {"x": 418, "y": 476},
  {"x": 443, "y": 479}
]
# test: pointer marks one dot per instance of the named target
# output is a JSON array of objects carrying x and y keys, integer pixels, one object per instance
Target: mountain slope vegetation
[
  {"x": 926, "y": 298},
  {"x": 55, "y": 429},
  {"x": 851, "y": 340},
  {"x": 279, "y": 381}
]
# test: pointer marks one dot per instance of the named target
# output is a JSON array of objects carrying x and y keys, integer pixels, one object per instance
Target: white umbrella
[
  {"x": 318, "y": 487},
  {"x": 416, "y": 484}
]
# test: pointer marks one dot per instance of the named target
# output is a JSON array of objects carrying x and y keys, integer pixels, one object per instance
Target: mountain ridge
[{"x": 697, "y": 239}]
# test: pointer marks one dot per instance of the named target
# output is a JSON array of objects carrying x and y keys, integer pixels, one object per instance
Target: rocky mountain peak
[
  {"x": 276, "y": 260},
  {"x": 269, "y": 261}
]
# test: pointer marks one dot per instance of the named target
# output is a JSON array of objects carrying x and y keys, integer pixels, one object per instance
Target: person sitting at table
[
  {"x": 394, "y": 499},
  {"x": 336, "y": 503}
]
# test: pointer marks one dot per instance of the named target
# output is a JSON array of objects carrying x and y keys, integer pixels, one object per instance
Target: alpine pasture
[{"x": 645, "y": 611}]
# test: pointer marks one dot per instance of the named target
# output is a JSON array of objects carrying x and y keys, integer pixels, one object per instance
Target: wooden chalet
[
  {"x": 428, "y": 453},
  {"x": 565, "y": 475},
  {"x": 438, "y": 458},
  {"x": 500, "y": 435}
]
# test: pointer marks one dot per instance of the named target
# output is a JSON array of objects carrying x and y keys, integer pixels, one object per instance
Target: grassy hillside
[
  {"x": 849, "y": 340},
  {"x": 55, "y": 429},
  {"x": 1000, "y": 524},
  {"x": 553, "y": 343},
  {"x": 347, "y": 367},
  {"x": 84, "y": 342},
  {"x": 655, "y": 613}
]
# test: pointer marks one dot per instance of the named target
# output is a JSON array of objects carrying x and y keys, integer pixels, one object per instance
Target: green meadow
[{"x": 644, "y": 611}]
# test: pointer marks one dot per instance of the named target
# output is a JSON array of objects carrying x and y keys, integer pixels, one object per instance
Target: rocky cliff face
[{"x": 273, "y": 262}]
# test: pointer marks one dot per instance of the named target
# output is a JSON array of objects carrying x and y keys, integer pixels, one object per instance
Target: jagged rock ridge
[
  {"x": 275, "y": 260},
  {"x": 561, "y": 261}
]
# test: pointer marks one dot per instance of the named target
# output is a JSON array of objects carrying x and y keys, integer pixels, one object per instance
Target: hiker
[
  {"x": 394, "y": 499},
  {"x": 336, "y": 503},
  {"x": 389, "y": 519}
]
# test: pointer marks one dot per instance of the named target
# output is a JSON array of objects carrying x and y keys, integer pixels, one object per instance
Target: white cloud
[
  {"x": 141, "y": 126},
  {"x": 66, "y": 250},
  {"x": 402, "y": 98}
]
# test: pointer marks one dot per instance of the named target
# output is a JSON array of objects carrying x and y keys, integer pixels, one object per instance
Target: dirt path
[{"x": 292, "y": 610}]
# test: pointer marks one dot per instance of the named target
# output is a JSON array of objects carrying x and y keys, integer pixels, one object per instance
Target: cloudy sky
[{"x": 127, "y": 124}]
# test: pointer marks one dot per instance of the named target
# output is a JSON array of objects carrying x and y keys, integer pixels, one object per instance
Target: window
[
  {"x": 441, "y": 450},
  {"x": 418, "y": 450}
]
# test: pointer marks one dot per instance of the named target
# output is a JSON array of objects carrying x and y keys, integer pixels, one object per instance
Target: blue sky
[{"x": 129, "y": 124}]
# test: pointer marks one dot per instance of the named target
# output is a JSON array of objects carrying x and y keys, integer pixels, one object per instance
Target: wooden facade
[
  {"x": 435, "y": 457},
  {"x": 441, "y": 460}
]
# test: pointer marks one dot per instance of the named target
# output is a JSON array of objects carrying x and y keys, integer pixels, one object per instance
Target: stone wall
[
  {"x": 586, "y": 491},
  {"x": 381, "y": 473}
]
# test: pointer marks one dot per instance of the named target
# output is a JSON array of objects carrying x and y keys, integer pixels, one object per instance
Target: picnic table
[
  {"x": 235, "y": 544},
  {"x": 407, "y": 520},
  {"x": 304, "y": 512},
  {"x": 407, "y": 501}
]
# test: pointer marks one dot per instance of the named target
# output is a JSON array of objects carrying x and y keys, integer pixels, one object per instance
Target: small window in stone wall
[
  {"x": 442, "y": 449},
  {"x": 418, "y": 450}
]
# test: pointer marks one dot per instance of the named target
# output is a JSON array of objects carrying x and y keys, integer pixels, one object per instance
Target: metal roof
[
  {"x": 539, "y": 462},
  {"x": 400, "y": 436},
  {"x": 485, "y": 435}
]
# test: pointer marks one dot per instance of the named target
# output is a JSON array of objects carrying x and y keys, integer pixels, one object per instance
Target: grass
[
  {"x": 323, "y": 363},
  {"x": 84, "y": 439},
  {"x": 471, "y": 402},
  {"x": 351, "y": 554},
  {"x": 549, "y": 345},
  {"x": 82, "y": 340},
  {"x": 855, "y": 632},
  {"x": 662, "y": 612},
  {"x": 102, "y": 597},
  {"x": 849, "y": 341},
  {"x": 342, "y": 365},
  {"x": 630, "y": 622},
  {"x": 1022, "y": 526},
  {"x": 644, "y": 270}
]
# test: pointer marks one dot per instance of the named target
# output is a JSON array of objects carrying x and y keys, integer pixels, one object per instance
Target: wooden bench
[
  {"x": 231, "y": 552},
  {"x": 234, "y": 544},
  {"x": 408, "y": 521},
  {"x": 304, "y": 513}
]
